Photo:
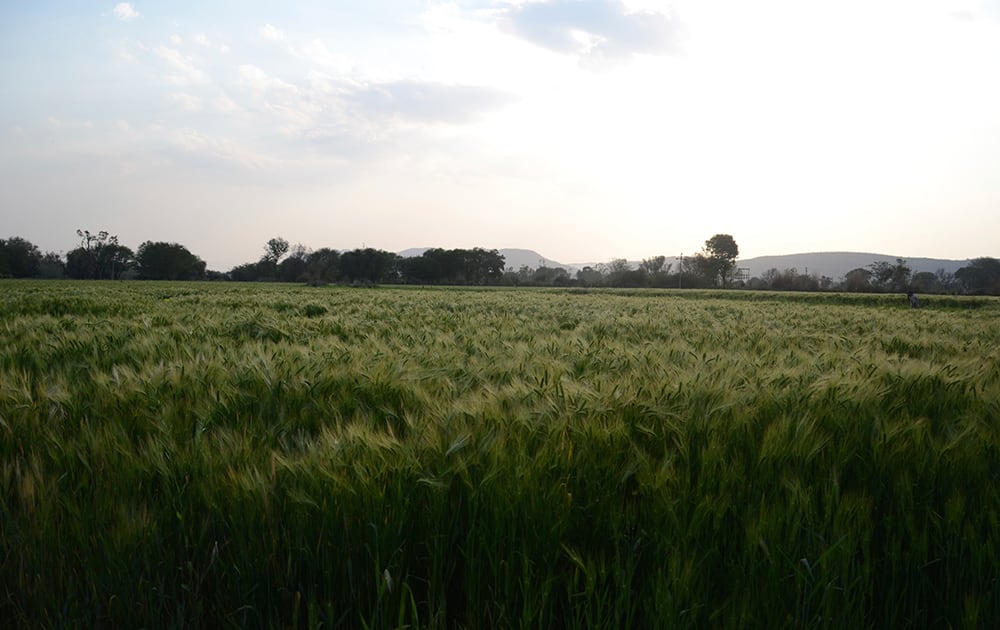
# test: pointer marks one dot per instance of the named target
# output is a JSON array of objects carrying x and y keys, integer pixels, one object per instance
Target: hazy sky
[{"x": 586, "y": 130}]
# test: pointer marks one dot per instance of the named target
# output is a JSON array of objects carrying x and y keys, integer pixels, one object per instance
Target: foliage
[
  {"x": 889, "y": 277},
  {"x": 655, "y": 265},
  {"x": 274, "y": 249},
  {"x": 454, "y": 266},
  {"x": 295, "y": 267},
  {"x": 98, "y": 257},
  {"x": 374, "y": 266},
  {"x": 926, "y": 282},
  {"x": 790, "y": 280},
  {"x": 168, "y": 261},
  {"x": 51, "y": 266},
  {"x": 857, "y": 280},
  {"x": 368, "y": 266},
  {"x": 321, "y": 266},
  {"x": 205, "y": 455},
  {"x": 981, "y": 275},
  {"x": 719, "y": 258},
  {"x": 19, "y": 258},
  {"x": 590, "y": 277}
]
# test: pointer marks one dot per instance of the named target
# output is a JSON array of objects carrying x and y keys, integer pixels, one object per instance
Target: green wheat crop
[{"x": 197, "y": 455}]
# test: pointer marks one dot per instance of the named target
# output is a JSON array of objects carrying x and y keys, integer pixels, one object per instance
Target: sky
[{"x": 587, "y": 130}]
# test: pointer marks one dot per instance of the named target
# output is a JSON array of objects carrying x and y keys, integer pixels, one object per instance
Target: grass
[{"x": 197, "y": 455}]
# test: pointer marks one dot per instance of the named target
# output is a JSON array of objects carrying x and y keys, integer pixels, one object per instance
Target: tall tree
[
  {"x": 981, "y": 275},
  {"x": 51, "y": 266},
  {"x": 421, "y": 269},
  {"x": 484, "y": 266},
  {"x": 19, "y": 258},
  {"x": 926, "y": 282},
  {"x": 449, "y": 264},
  {"x": 890, "y": 277},
  {"x": 168, "y": 261},
  {"x": 618, "y": 265},
  {"x": 654, "y": 264},
  {"x": 99, "y": 256},
  {"x": 718, "y": 259},
  {"x": 368, "y": 265},
  {"x": 857, "y": 280},
  {"x": 322, "y": 265},
  {"x": 293, "y": 267},
  {"x": 590, "y": 277},
  {"x": 275, "y": 248}
]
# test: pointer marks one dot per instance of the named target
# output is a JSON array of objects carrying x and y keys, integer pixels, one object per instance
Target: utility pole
[{"x": 680, "y": 270}]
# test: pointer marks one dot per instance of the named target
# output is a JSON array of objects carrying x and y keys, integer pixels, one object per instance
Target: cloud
[
  {"x": 195, "y": 104},
  {"x": 271, "y": 33},
  {"x": 373, "y": 104},
  {"x": 185, "y": 72},
  {"x": 317, "y": 53},
  {"x": 208, "y": 149},
  {"x": 428, "y": 102},
  {"x": 59, "y": 123},
  {"x": 187, "y": 102},
  {"x": 281, "y": 105},
  {"x": 225, "y": 105},
  {"x": 594, "y": 30},
  {"x": 253, "y": 77},
  {"x": 124, "y": 11}
]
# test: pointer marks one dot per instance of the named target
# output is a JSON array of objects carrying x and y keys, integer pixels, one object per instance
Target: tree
[
  {"x": 549, "y": 276},
  {"x": 322, "y": 266},
  {"x": 168, "y": 261},
  {"x": 484, "y": 266},
  {"x": 857, "y": 280},
  {"x": 618, "y": 265},
  {"x": 588, "y": 276},
  {"x": 926, "y": 282},
  {"x": 981, "y": 275},
  {"x": 274, "y": 249},
  {"x": 454, "y": 266},
  {"x": 420, "y": 269},
  {"x": 890, "y": 277},
  {"x": 654, "y": 271},
  {"x": 247, "y": 272},
  {"x": 19, "y": 258},
  {"x": 99, "y": 256},
  {"x": 267, "y": 266},
  {"x": 368, "y": 265},
  {"x": 51, "y": 266},
  {"x": 293, "y": 268},
  {"x": 881, "y": 273},
  {"x": 947, "y": 279},
  {"x": 704, "y": 267},
  {"x": 653, "y": 265},
  {"x": 719, "y": 258},
  {"x": 789, "y": 280},
  {"x": 443, "y": 266}
]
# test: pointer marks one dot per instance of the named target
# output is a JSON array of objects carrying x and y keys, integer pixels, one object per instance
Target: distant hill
[{"x": 834, "y": 265}]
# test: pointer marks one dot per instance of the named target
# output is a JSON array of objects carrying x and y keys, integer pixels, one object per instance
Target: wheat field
[{"x": 206, "y": 455}]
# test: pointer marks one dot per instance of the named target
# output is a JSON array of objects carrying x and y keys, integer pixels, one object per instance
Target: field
[{"x": 205, "y": 455}]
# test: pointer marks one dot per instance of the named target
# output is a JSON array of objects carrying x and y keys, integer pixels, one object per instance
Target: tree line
[
  {"x": 980, "y": 277},
  {"x": 100, "y": 256}
]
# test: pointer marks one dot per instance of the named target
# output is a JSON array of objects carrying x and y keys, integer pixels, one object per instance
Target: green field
[{"x": 205, "y": 455}]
